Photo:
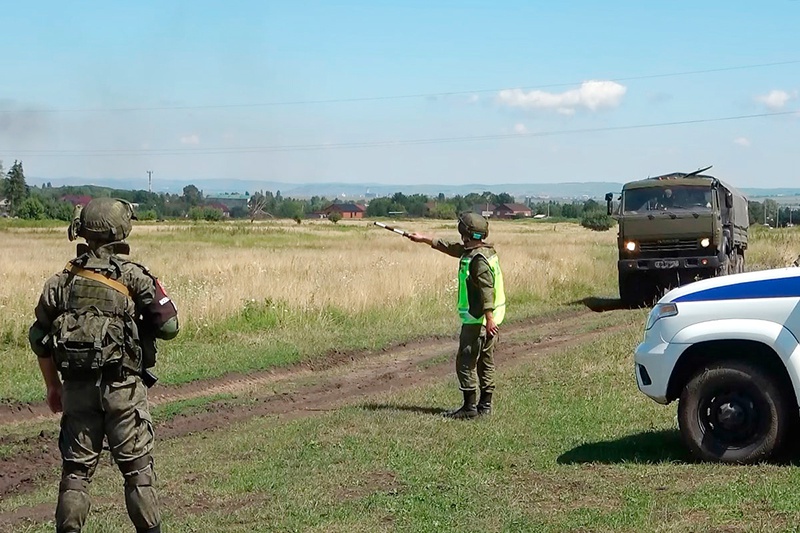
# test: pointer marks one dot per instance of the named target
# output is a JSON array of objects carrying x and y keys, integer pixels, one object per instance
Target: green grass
[
  {"x": 572, "y": 446},
  {"x": 270, "y": 335}
]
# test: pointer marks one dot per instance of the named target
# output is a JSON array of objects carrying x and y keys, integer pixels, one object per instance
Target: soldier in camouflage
[
  {"x": 96, "y": 325},
  {"x": 481, "y": 306}
]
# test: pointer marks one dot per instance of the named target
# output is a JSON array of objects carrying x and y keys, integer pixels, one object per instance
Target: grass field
[
  {"x": 257, "y": 296},
  {"x": 572, "y": 446}
]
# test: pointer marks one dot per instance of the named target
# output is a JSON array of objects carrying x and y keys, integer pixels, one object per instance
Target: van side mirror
[
  {"x": 609, "y": 202},
  {"x": 728, "y": 199}
]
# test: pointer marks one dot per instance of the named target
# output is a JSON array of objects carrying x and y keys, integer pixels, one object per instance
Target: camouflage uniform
[{"x": 106, "y": 399}]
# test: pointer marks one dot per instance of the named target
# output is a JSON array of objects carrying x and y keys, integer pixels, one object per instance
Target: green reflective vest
[{"x": 463, "y": 295}]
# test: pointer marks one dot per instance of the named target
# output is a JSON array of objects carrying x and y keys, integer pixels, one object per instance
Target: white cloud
[
  {"x": 520, "y": 128},
  {"x": 592, "y": 95},
  {"x": 473, "y": 98},
  {"x": 190, "y": 139},
  {"x": 776, "y": 98},
  {"x": 742, "y": 141}
]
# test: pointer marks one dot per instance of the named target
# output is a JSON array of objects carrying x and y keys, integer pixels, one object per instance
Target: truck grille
[{"x": 671, "y": 245}]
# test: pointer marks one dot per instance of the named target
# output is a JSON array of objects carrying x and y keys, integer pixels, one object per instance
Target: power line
[
  {"x": 377, "y": 144},
  {"x": 391, "y": 97}
]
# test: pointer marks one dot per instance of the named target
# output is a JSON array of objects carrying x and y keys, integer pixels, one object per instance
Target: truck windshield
[{"x": 666, "y": 199}]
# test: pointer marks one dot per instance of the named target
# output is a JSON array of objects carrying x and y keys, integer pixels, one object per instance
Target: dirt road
[{"x": 334, "y": 381}]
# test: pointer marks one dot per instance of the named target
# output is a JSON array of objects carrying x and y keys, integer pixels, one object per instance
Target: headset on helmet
[{"x": 103, "y": 219}]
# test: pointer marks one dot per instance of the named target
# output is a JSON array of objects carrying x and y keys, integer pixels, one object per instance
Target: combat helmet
[
  {"x": 102, "y": 220},
  {"x": 473, "y": 225}
]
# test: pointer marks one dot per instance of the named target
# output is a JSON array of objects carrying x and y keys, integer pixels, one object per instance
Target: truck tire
[{"x": 733, "y": 412}]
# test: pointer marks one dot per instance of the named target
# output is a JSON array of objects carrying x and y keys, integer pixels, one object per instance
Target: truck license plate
[{"x": 670, "y": 263}]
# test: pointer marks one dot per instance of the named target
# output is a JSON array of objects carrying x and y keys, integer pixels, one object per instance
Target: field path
[{"x": 338, "y": 380}]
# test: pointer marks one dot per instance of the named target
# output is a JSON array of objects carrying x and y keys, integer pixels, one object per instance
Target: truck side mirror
[
  {"x": 728, "y": 199},
  {"x": 609, "y": 200}
]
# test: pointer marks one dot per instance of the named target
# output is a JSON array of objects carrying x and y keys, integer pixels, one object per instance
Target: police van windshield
[{"x": 666, "y": 199}]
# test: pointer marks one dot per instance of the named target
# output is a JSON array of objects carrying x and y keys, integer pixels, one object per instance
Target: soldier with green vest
[
  {"x": 94, "y": 337},
  {"x": 481, "y": 306}
]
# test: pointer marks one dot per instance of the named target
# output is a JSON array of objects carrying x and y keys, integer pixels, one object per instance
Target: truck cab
[{"x": 674, "y": 229}]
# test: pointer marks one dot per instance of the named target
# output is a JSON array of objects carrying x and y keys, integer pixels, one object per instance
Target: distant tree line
[
  {"x": 47, "y": 202},
  {"x": 773, "y": 214}
]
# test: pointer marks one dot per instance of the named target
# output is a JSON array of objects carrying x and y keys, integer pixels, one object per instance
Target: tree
[
  {"x": 444, "y": 211},
  {"x": 505, "y": 198},
  {"x": 14, "y": 187},
  {"x": 192, "y": 195},
  {"x": 335, "y": 217}
]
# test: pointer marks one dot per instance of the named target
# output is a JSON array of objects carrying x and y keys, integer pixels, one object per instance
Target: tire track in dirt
[
  {"x": 235, "y": 383},
  {"x": 334, "y": 383}
]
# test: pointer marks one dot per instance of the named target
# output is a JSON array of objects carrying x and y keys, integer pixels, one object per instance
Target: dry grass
[{"x": 212, "y": 272}]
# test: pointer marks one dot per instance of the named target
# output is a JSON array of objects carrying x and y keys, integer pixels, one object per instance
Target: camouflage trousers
[
  {"x": 118, "y": 412},
  {"x": 475, "y": 359}
]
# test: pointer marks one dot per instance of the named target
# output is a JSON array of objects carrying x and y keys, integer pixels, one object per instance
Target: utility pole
[{"x": 149, "y": 181}]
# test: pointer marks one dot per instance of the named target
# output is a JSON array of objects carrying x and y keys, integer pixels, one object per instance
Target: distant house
[
  {"x": 512, "y": 211},
  {"x": 222, "y": 207},
  {"x": 485, "y": 209},
  {"x": 76, "y": 199},
  {"x": 349, "y": 210}
]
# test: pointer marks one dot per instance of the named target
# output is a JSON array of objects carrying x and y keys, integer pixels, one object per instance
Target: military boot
[
  {"x": 485, "y": 403},
  {"x": 468, "y": 410}
]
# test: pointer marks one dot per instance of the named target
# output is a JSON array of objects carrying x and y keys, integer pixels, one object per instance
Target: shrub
[
  {"x": 335, "y": 217},
  {"x": 31, "y": 209},
  {"x": 597, "y": 221}
]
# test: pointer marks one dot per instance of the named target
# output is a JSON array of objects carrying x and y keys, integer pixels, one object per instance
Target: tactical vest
[
  {"x": 96, "y": 327},
  {"x": 469, "y": 304}
]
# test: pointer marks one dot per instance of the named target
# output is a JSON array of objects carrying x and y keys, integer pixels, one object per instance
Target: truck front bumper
[{"x": 670, "y": 263}]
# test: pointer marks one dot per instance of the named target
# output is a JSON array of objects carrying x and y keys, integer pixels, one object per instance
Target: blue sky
[{"x": 291, "y": 91}]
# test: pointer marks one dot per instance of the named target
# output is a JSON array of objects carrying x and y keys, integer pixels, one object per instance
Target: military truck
[{"x": 675, "y": 229}]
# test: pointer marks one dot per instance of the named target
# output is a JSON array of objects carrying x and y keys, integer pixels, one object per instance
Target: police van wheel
[{"x": 733, "y": 412}]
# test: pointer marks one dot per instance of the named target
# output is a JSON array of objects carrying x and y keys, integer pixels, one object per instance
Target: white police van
[{"x": 727, "y": 349}]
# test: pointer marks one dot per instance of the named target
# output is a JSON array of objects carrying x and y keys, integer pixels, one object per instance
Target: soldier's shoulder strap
[{"x": 77, "y": 270}]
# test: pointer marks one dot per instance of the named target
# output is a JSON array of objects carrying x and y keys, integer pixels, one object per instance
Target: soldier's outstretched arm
[{"x": 419, "y": 237}]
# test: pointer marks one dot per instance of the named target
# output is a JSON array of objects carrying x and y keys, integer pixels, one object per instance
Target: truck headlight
[
  {"x": 630, "y": 246},
  {"x": 660, "y": 311},
  {"x": 705, "y": 242}
]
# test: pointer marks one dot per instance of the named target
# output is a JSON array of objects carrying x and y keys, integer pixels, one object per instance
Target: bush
[
  {"x": 335, "y": 217},
  {"x": 31, "y": 209},
  {"x": 211, "y": 214},
  {"x": 147, "y": 214},
  {"x": 205, "y": 213},
  {"x": 597, "y": 221}
]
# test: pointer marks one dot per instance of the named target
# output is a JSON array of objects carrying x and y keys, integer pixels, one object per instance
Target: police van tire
[{"x": 733, "y": 412}]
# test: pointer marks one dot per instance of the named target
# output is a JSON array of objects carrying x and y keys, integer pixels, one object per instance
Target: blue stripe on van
[{"x": 749, "y": 290}]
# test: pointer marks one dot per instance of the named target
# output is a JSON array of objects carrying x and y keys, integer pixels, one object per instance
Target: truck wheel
[{"x": 733, "y": 412}]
